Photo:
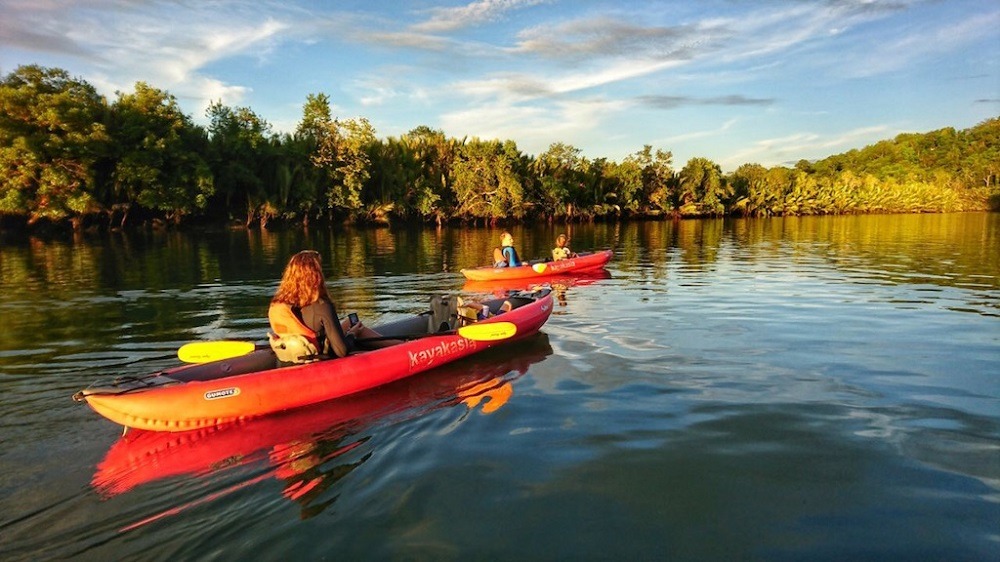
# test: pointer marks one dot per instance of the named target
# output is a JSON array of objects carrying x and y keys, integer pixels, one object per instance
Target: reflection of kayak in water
[
  {"x": 583, "y": 262},
  {"x": 301, "y": 441},
  {"x": 218, "y": 392},
  {"x": 561, "y": 281}
]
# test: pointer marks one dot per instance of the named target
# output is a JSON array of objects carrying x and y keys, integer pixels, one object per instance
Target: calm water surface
[{"x": 789, "y": 389}]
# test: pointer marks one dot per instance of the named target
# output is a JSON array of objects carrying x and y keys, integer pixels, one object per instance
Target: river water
[{"x": 785, "y": 389}]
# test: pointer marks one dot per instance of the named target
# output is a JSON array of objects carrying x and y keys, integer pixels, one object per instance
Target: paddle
[
  {"x": 206, "y": 351},
  {"x": 489, "y": 331},
  {"x": 540, "y": 267}
]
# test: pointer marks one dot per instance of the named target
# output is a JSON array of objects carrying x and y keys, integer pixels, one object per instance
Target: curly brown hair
[{"x": 302, "y": 283}]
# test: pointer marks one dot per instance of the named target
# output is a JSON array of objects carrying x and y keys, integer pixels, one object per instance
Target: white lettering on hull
[{"x": 431, "y": 355}]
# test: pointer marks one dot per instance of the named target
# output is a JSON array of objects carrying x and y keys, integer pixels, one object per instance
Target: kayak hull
[
  {"x": 584, "y": 262},
  {"x": 210, "y": 394},
  {"x": 556, "y": 282}
]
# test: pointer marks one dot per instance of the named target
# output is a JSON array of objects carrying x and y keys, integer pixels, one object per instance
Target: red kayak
[
  {"x": 583, "y": 262},
  {"x": 140, "y": 457},
  {"x": 218, "y": 392}
]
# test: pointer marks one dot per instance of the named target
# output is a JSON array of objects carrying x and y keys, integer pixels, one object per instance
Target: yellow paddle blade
[
  {"x": 540, "y": 267},
  {"x": 490, "y": 331},
  {"x": 206, "y": 351}
]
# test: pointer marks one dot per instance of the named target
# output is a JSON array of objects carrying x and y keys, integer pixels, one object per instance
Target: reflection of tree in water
[{"x": 941, "y": 249}]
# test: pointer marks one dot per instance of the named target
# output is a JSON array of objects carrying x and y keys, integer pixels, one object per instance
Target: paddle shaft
[
  {"x": 487, "y": 331},
  {"x": 407, "y": 337}
]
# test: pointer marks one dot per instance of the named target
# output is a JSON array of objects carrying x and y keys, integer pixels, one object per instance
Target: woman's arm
[{"x": 321, "y": 317}]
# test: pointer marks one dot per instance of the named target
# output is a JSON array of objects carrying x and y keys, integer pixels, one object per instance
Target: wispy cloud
[
  {"x": 869, "y": 7},
  {"x": 673, "y": 102},
  {"x": 569, "y": 119},
  {"x": 167, "y": 47},
  {"x": 525, "y": 86},
  {"x": 604, "y": 37},
  {"x": 405, "y": 40},
  {"x": 801, "y": 145},
  {"x": 610, "y": 49},
  {"x": 893, "y": 53},
  {"x": 15, "y": 33},
  {"x": 475, "y": 13},
  {"x": 699, "y": 134}
]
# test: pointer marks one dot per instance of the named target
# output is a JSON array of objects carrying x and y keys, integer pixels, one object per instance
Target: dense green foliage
[{"x": 66, "y": 154}]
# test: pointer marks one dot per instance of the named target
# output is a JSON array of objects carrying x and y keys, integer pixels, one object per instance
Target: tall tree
[
  {"x": 626, "y": 181},
  {"x": 309, "y": 179},
  {"x": 432, "y": 155},
  {"x": 749, "y": 184},
  {"x": 657, "y": 179},
  {"x": 160, "y": 164},
  {"x": 486, "y": 185},
  {"x": 345, "y": 152},
  {"x": 559, "y": 172},
  {"x": 316, "y": 117},
  {"x": 52, "y": 135},
  {"x": 242, "y": 159},
  {"x": 701, "y": 188}
]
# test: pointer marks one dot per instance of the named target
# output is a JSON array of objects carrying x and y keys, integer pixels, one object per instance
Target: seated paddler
[
  {"x": 304, "y": 318},
  {"x": 561, "y": 250},
  {"x": 505, "y": 255}
]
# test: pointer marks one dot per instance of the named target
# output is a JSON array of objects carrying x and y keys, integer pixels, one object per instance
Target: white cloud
[
  {"x": 533, "y": 127},
  {"x": 167, "y": 46},
  {"x": 472, "y": 14},
  {"x": 891, "y": 54},
  {"x": 698, "y": 134},
  {"x": 522, "y": 87},
  {"x": 807, "y": 145}
]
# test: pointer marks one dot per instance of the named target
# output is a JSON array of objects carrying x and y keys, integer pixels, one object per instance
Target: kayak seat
[{"x": 444, "y": 313}]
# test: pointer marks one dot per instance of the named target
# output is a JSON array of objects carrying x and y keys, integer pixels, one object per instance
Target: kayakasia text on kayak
[{"x": 443, "y": 349}]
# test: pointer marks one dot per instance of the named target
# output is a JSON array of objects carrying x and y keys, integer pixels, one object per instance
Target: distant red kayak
[
  {"x": 556, "y": 282},
  {"x": 584, "y": 262},
  {"x": 208, "y": 394}
]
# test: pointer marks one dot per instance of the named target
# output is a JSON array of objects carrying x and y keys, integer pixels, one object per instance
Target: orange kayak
[
  {"x": 583, "y": 262},
  {"x": 209, "y": 394},
  {"x": 556, "y": 282}
]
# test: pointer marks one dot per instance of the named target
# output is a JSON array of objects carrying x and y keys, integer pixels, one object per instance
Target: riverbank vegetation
[{"x": 69, "y": 156}]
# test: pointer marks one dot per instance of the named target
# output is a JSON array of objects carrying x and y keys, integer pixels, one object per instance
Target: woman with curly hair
[{"x": 302, "y": 307}]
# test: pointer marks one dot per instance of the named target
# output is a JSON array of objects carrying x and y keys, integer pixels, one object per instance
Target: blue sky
[{"x": 736, "y": 81}]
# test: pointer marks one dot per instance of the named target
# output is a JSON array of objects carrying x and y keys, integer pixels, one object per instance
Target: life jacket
[
  {"x": 560, "y": 253},
  {"x": 513, "y": 260},
  {"x": 292, "y": 341},
  {"x": 466, "y": 314}
]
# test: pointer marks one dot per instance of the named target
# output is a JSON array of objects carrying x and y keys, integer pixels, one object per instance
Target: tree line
[{"x": 67, "y": 155}]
